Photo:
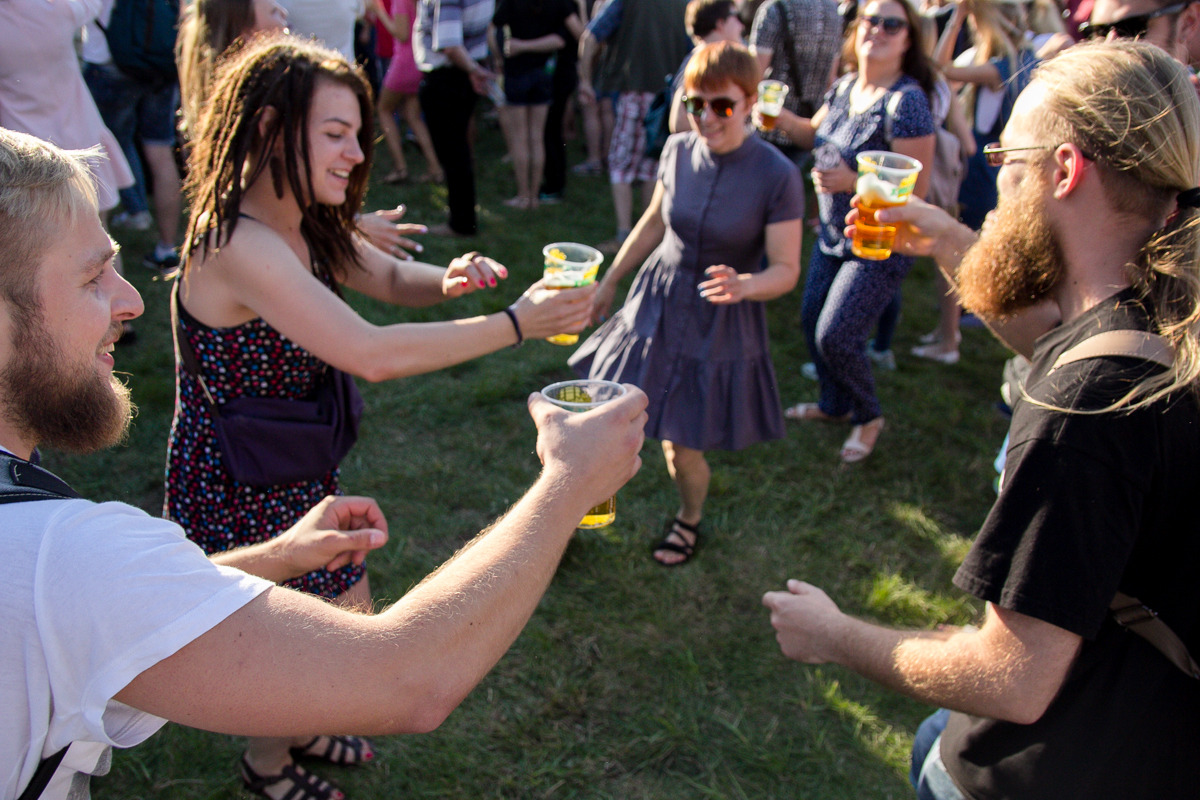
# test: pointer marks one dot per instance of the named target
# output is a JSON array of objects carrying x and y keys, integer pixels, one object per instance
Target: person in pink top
[{"x": 399, "y": 93}]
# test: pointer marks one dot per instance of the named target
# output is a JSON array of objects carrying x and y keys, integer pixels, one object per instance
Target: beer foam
[{"x": 873, "y": 190}]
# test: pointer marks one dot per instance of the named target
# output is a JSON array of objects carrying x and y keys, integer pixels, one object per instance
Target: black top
[
  {"x": 533, "y": 19},
  {"x": 1089, "y": 504}
]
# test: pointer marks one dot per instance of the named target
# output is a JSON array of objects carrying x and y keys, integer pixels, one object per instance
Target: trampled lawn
[{"x": 631, "y": 681}]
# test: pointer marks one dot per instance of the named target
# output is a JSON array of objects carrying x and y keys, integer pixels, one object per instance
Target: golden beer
[
  {"x": 771, "y": 95},
  {"x": 579, "y": 396},
  {"x": 885, "y": 180},
  {"x": 768, "y": 120},
  {"x": 565, "y": 266}
]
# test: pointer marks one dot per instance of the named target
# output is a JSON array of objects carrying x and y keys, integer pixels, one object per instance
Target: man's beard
[
  {"x": 1017, "y": 261},
  {"x": 57, "y": 404}
]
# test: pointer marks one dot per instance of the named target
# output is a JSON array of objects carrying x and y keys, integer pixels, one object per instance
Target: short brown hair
[
  {"x": 703, "y": 16},
  {"x": 714, "y": 65}
]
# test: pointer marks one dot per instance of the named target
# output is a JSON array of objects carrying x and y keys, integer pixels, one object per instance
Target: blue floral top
[{"x": 843, "y": 134}]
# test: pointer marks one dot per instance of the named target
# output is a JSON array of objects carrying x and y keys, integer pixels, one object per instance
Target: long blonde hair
[
  {"x": 1132, "y": 107},
  {"x": 997, "y": 29},
  {"x": 206, "y": 31}
]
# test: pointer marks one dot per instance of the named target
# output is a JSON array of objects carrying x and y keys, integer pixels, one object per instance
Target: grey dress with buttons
[{"x": 706, "y": 368}]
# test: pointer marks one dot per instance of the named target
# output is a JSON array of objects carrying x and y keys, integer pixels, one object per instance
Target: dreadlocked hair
[
  {"x": 1131, "y": 107},
  {"x": 262, "y": 97}
]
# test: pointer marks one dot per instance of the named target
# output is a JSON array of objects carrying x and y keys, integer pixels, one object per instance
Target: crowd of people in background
[{"x": 276, "y": 135}]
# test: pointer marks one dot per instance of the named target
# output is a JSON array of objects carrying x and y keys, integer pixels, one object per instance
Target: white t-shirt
[{"x": 92, "y": 595}]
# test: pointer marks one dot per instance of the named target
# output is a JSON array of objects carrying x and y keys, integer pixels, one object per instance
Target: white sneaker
[
  {"x": 883, "y": 360},
  {"x": 141, "y": 221}
]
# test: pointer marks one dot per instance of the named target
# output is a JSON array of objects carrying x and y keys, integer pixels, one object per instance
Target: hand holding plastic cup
[
  {"x": 584, "y": 395},
  {"x": 771, "y": 95},
  {"x": 567, "y": 265},
  {"x": 884, "y": 180}
]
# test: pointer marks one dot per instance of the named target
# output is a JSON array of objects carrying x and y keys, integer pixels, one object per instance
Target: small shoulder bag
[{"x": 270, "y": 441}]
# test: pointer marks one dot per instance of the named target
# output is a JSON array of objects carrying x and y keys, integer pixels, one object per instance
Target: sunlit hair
[
  {"x": 1132, "y": 107},
  {"x": 997, "y": 29},
  {"x": 206, "y": 31},
  {"x": 701, "y": 17},
  {"x": 713, "y": 65},
  {"x": 42, "y": 188},
  {"x": 915, "y": 62},
  {"x": 269, "y": 84},
  {"x": 1045, "y": 17}
]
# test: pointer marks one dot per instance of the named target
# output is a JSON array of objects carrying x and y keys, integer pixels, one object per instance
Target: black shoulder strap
[
  {"x": 41, "y": 778},
  {"x": 21, "y": 481}
]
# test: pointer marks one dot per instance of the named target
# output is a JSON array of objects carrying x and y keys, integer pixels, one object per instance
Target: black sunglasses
[
  {"x": 721, "y": 106},
  {"x": 1131, "y": 27},
  {"x": 889, "y": 25}
]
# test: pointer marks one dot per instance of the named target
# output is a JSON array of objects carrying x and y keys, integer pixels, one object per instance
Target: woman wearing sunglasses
[
  {"x": 843, "y": 294},
  {"x": 692, "y": 333}
]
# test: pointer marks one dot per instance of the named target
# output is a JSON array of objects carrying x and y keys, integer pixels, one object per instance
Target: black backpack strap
[
  {"x": 41, "y": 778},
  {"x": 21, "y": 481}
]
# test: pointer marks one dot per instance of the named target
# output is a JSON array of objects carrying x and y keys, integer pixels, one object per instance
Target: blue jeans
[
  {"x": 133, "y": 111},
  {"x": 928, "y": 774}
]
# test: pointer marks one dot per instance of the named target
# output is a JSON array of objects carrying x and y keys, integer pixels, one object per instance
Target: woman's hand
[
  {"x": 544, "y": 312},
  {"x": 384, "y": 230},
  {"x": 471, "y": 271},
  {"x": 834, "y": 180},
  {"x": 606, "y": 292},
  {"x": 725, "y": 285}
]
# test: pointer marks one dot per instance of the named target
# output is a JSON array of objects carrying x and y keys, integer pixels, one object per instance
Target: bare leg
[
  {"x": 591, "y": 131},
  {"x": 518, "y": 148},
  {"x": 168, "y": 199},
  {"x": 622, "y": 194},
  {"x": 389, "y": 102},
  {"x": 608, "y": 121},
  {"x": 411, "y": 108},
  {"x": 537, "y": 149},
  {"x": 692, "y": 475}
]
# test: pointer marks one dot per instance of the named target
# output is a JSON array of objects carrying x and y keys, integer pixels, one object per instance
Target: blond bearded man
[
  {"x": 111, "y": 622},
  {"x": 1096, "y": 229}
]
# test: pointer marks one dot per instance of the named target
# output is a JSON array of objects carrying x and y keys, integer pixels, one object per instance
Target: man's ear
[
  {"x": 1069, "y": 166},
  {"x": 1187, "y": 33}
]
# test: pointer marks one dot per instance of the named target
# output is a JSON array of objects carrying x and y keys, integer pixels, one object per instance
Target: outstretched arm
[
  {"x": 1010, "y": 668},
  {"x": 290, "y": 664}
]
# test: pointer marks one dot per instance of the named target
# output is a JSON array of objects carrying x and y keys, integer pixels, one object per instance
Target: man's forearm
[
  {"x": 460, "y": 58},
  {"x": 262, "y": 559}
]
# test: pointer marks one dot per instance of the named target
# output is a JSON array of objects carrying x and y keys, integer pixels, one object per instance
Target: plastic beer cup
[
  {"x": 771, "y": 95},
  {"x": 884, "y": 180},
  {"x": 584, "y": 395},
  {"x": 568, "y": 264}
]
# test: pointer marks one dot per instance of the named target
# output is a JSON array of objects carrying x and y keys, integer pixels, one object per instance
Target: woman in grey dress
[{"x": 692, "y": 333}]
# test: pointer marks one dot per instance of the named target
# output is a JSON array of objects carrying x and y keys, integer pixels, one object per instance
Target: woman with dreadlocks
[{"x": 278, "y": 169}]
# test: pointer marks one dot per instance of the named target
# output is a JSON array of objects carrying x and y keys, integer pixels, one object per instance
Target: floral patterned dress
[{"x": 217, "y": 512}]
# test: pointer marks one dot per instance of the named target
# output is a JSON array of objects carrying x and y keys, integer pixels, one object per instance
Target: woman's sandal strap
[
  {"x": 304, "y": 784},
  {"x": 686, "y": 550},
  {"x": 344, "y": 751}
]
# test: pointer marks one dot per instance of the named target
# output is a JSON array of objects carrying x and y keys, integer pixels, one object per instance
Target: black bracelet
[{"x": 512, "y": 316}]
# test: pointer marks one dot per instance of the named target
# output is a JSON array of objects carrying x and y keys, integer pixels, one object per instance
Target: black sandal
[
  {"x": 304, "y": 785},
  {"x": 344, "y": 751},
  {"x": 665, "y": 544}
]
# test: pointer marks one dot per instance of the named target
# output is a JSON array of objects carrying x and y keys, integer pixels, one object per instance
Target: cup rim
[
  {"x": 594, "y": 256},
  {"x": 874, "y": 156},
  {"x": 573, "y": 406}
]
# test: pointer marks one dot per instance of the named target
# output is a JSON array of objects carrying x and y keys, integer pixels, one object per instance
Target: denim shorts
[
  {"x": 132, "y": 108},
  {"x": 534, "y": 87}
]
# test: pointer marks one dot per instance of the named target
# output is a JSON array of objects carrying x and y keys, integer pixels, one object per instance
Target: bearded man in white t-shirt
[{"x": 112, "y": 622}]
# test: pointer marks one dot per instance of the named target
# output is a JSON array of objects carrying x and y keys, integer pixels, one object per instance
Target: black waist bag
[{"x": 268, "y": 441}]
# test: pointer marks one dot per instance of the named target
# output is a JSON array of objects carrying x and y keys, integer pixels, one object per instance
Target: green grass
[{"x": 631, "y": 681}]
